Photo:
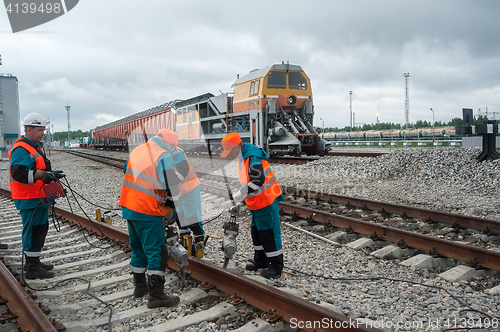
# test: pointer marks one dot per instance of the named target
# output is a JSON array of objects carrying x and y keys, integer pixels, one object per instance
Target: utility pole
[
  {"x": 350, "y": 106},
  {"x": 69, "y": 126},
  {"x": 407, "y": 100},
  {"x": 432, "y": 125}
]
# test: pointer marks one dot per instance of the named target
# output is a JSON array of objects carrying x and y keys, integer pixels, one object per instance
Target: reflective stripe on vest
[
  {"x": 142, "y": 191},
  {"x": 27, "y": 190},
  {"x": 266, "y": 194},
  {"x": 190, "y": 181}
]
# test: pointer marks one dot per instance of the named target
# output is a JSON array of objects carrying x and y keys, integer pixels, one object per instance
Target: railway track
[
  {"x": 440, "y": 234},
  {"x": 98, "y": 261},
  {"x": 413, "y": 230},
  {"x": 213, "y": 184},
  {"x": 120, "y": 162}
]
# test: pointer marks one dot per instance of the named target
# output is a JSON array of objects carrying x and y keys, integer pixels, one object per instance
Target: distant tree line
[
  {"x": 63, "y": 135},
  {"x": 418, "y": 124}
]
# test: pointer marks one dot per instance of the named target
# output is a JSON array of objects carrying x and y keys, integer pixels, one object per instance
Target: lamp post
[
  {"x": 432, "y": 126},
  {"x": 323, "y": 131}
]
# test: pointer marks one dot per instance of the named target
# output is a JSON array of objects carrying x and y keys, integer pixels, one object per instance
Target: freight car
[
  {"x": 393, "y": 133},
  {"x": 270, "y": 107}
]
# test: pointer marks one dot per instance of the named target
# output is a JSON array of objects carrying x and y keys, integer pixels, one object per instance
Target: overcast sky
[{"x": 109, "y": 59}]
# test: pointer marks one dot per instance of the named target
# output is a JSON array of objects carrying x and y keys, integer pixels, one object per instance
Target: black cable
[
  {"x": 62, "y": 282},
  {"x": 410, "y": 282},
  {"x": 206, "y": 222},
  {"x": 93, "y": 204},
  {"x": 97, "y": 227}
]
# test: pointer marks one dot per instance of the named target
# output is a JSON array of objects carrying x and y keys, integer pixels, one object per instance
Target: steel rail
[
  {"x": 487, "y": 258},
  {"x": 454, "y": 219},
  {"x": 257, "y": 294},
  {"x": 483, "y": 225},
  {"x": 115, "y": 162},
  {"x": 356, "y": 154},
  {"x": 29, "y": 316}
]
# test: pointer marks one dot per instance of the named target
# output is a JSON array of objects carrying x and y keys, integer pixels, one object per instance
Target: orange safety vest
[
  {"x": 142, "y": 191},
  {"x": 191, "y": 180},
  {"x": 27, "y": 190},
  {"x": 265, "y": 195}
]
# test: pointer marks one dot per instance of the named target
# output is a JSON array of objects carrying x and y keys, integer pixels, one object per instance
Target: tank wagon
[
  {"x": 270, "y": 107},
  {"x": 439, "y": 132}
]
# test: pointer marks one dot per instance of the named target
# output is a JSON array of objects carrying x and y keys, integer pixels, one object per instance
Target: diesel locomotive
[{"x": 270, "y": 107}]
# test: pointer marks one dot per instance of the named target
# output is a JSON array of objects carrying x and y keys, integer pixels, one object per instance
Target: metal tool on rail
[
  {"x": 229, "y": 241},
  {"x": 230, "y": 227},
  {"x": 175, "y": 249}
]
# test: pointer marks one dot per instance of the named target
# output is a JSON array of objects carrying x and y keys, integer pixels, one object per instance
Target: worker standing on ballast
[
  {"x": 261, "y": 192},
  {"x": 149, "y": 168},
  {"x": 28, "y": 171},
  {"x": 188, "y": 207}
]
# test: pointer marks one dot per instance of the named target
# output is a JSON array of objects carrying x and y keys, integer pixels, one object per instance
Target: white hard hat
[{"x": 35, "y": 120}]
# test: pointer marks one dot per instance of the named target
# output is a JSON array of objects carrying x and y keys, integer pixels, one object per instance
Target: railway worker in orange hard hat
[
  {"x": 188, "y": 207},
  {"x": 148, "y": 175},
  {"x": 261, "y": 192},
  {"x": 29, "y": 170}
]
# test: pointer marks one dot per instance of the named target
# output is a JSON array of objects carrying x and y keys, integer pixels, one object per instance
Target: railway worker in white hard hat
[
  {"x": 144, "y": 191},
  {"x": 261, "y": 193},
  {"x": 188, "y": 207},
  {"x": 28, "y": 171}
]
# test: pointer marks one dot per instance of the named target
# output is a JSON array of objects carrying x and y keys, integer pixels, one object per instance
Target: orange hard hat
[
  {"x": 168, "y": 136},
  {"x": 229, "y": 142}
]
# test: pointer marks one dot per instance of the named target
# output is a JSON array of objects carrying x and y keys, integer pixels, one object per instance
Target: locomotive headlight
[{"x": 292, "y": 100}]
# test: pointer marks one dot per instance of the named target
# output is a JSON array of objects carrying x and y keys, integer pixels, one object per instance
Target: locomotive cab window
[
  {"x": 277, "y": 80},
  {"x": 254, "y": 88},
  {"x": 296, "y": 81}
]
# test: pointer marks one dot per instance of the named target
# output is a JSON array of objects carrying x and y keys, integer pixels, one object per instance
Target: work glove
[
  {"x": 56, "y": 175},
  {"x": 236, "y": 183},
  {"x": 238, "y": 197},
  {"x": 42, "y": 175}
]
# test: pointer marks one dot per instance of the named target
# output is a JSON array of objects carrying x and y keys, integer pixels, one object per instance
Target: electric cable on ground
[
  {"x": 62, "y": 282},
  {"x": 410, "y": 282}
]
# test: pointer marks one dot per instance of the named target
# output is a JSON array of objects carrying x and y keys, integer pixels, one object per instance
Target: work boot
[
  {"x": 34, "y": 269},
  {"x": 252, "y": 266},
  {"x": 157, "y": 297},
  {"x": 270, "y": 273},
  {"x": 141, "y": 285},
  {"x": 44, "y": 266},
  {"x": 4, "y": 246}
]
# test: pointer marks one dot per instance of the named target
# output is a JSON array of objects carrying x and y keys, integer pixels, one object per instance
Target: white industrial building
[{"x": 10, "y": 116}]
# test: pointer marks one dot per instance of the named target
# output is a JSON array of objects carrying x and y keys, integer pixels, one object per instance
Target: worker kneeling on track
[
  {"x": 29, "y": 171},
  {"x": 188, "y": 207},
  {"x": 144, "y": 191},
  {"x": 262, "y": 194}
]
